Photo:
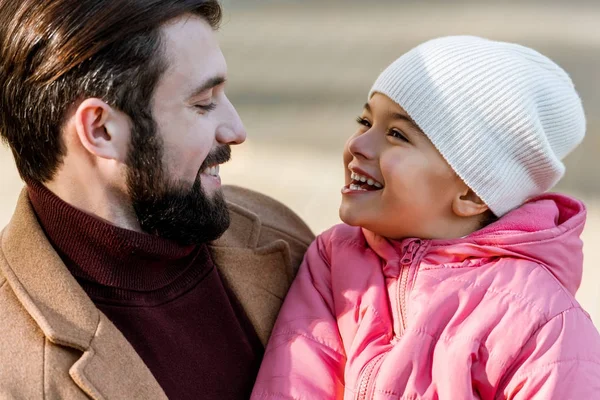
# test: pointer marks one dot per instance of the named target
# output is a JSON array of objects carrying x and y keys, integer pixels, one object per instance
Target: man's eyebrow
[{"x": 208, "y": 84}]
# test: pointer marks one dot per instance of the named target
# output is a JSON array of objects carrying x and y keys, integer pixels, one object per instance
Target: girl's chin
[
  {"x": 355, "y": 217},
  {"x": 350, "y": 216}
]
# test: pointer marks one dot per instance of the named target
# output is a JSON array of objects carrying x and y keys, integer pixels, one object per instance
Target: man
[{"x": 125, "y": 271}]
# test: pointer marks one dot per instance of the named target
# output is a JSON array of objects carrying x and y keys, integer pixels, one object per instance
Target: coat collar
[
  {"x": 68, "y": 317},
  {"x": 108, "y": 366},
  {"x": 43, "y": 284}
]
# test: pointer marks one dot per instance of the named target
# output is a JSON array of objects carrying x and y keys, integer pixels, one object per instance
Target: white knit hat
[{"x": 502, "y": 115}]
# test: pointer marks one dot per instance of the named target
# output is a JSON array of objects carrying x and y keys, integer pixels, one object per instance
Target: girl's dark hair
[
  {"x": 488, "y": 218},
  {"x": 54, "y": 54}
]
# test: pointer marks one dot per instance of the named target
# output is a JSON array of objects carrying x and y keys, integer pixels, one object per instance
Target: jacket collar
[
  {"x": 68, "y": 317},
  {"x": 546, "y": 230}
]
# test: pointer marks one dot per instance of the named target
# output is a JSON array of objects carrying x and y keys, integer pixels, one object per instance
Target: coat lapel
[
  {"x": 258, "y": 274},
  {"x": 109, "y": 367}
]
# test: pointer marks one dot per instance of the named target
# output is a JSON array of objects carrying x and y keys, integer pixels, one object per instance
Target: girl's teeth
[
  {"x": 359, "y": 178},
  {"x": 356, "y": 187}
]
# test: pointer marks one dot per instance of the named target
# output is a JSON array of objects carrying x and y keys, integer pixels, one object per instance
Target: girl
[{"x": 420, "y": 294}]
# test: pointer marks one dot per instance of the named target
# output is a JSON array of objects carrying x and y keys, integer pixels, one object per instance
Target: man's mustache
[{"x": 220, "y": 155}]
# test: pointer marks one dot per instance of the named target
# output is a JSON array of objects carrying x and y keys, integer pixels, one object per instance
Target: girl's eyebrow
[{"x": 398, "y": 116}]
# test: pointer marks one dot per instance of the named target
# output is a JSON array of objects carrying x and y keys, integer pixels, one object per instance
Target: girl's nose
[{"x": 363, "y": 146}]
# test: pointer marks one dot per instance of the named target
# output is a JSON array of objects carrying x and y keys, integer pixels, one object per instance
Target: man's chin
[
  {"x": 212, "y": 193},
  {"x": 192, "y": 218}
]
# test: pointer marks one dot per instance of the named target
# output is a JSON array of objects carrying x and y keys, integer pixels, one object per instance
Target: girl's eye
[
  {"x": 205, "y": 108},
  {"x": 363, "y": 122},
  {"x": 398, "y": 135}
]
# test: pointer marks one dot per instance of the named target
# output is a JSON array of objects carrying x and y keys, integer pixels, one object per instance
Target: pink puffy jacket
[{"x": 489, "y": 316}]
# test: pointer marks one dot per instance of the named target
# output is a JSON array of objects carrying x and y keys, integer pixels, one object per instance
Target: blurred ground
[{"x": 300, "y": 72}]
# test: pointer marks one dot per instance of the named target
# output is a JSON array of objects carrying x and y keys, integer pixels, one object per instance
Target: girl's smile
[{"x": 361, "y": 181}]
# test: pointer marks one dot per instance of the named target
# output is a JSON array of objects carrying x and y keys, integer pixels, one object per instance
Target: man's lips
[
  {"x": 211, "y": 166},
  {"x": 220, "y": 155}
]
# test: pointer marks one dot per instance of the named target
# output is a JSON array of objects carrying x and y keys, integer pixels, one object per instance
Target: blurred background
[{"x": 300, "y": 72}]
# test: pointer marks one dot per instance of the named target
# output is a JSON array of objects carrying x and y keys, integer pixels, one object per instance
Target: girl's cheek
[{"x": 391, "y": 166}]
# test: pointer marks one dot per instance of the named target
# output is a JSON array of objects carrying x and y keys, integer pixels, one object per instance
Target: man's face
[{"x": 173, "y": 175}]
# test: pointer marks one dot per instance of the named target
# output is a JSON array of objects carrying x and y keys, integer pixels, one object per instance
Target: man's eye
[
  {"x": 363, "y": 122},
  {"x": 398, "y": 135},
  {"x": 206, "y": 108}
]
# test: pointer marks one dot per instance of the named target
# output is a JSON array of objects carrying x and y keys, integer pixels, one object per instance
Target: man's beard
[{"x": 169, "y": 209}]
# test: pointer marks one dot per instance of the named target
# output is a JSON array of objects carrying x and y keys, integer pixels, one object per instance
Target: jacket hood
[{"x": 545, "y": 230}]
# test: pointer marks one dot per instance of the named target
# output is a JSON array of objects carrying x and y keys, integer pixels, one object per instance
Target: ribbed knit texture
[
  {"x": 168, "y": 300},
  {"x": 115, "y": 263},
  {"x": 502, "y": 115}
]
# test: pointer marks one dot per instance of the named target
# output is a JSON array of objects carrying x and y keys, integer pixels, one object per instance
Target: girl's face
[{"x": 409, "y": 189}]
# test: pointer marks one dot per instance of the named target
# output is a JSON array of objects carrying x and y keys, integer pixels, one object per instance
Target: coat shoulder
[
  {"x": 277, "y": 220},
  {"x": 21, "y": 348}
]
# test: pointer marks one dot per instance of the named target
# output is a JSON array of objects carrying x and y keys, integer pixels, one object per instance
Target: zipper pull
[{"x": 409, "y": 253}]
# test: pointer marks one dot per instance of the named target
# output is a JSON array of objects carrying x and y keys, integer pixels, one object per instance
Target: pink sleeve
[
  {"x": 562, "y": 361},
  {"x": 304, "y": 358}
]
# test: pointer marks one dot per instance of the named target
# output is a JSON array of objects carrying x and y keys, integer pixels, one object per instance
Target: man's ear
[
  {"x": 102, "y": 130},
  {"x": 467, "y": 204}
]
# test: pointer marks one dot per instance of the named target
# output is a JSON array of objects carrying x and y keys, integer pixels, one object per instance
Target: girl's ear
[{"x": 468, "y": 204}]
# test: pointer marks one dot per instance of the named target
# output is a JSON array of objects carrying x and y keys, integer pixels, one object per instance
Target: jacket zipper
[
  {"x": 365, "y": 390},
  {"x": 366, "y": 379},
  {"x": 406, "y": 262}
]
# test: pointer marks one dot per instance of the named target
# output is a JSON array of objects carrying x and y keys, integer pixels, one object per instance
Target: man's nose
[{"x": 231, "y": 130}]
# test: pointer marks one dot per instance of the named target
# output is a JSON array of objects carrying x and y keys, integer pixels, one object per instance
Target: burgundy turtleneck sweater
[{"x": 168, "y": 301}]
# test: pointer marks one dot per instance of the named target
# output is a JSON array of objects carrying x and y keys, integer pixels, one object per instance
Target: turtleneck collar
[{"x": 112, "y": 262}]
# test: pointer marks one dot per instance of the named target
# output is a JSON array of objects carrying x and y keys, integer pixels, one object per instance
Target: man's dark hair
[{"x": 54, "y": 54}]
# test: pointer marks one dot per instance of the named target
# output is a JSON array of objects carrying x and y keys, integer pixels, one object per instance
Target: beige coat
[{"x": 55, "y": 344}]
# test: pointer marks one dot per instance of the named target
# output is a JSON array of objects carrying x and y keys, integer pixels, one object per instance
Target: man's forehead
[{"x": 192, "y": 51}]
